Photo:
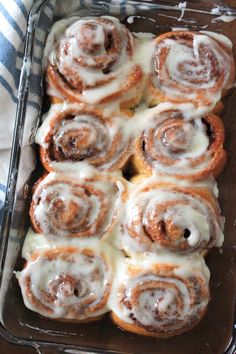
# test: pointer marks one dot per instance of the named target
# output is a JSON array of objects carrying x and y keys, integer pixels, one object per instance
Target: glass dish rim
[{"x": 23, "y": 92}]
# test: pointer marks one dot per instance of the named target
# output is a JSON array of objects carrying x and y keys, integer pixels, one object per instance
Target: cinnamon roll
[
  {"x": 167, "y": 217},
  {"x": 91, "y": 62},
  {"x": 181, "y": 148},
  {"x": 67, "y": 283},
  {"x": 190, "y": 67},
  {"x": 75, "y": 133},
  {"x": 160, "y": 299},
  {"x": 83, "y": 207}
]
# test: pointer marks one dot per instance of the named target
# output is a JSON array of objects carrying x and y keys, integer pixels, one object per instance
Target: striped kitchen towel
[{"x": 13, "y": 19}]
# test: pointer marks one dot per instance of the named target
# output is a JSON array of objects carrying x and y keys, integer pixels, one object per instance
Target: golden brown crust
[
  {"x": 65, "y": 79},
  {"x": 148, "y": 158},
  {"x": 95, "y": 139},
  {"x": 154, "y": 96},
  {"x": 45, "y": 299},
  {"x": 152, "y": 226},
  {"x": 164, "y": 282},
  {"x": 72, "y": 217},
  {"x": 219, "y": 108},
  {"x": 202, "y": 192},
  {"x": 140, "y": 331},
  {"x": 134, "y": 82}
]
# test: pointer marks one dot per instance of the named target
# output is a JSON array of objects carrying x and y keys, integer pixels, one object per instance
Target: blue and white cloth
[{"x": 13, "y": 20}]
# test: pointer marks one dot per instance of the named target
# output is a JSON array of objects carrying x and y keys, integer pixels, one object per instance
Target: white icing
[
  {"x": 195, "y": 146},
  {"x": 70, "y": 36},
  {"x": 224, "y": 18},
  {"x": 131, "y": 19},
  {"x": 59, "y": 193},
  {"x": 174, "y": 29},
  {"x": 102, "y": 136},
  {"x": 180, "y": 18},
  {"x": 39, "y": 243},
  {"x": 142, "y": 56},
  {"x": 93, "y": 281},
  {"x": 54, "y": 36},
  {"x": 143, "y": 35},
  {"x": 129, "y": 129},
  {"x": 158, "y": 299},
  {"x": 216, "y": 10},
  {"x": 61, "y": 32},
  {"x": 71, "y": 39},
  {"x": 183, "y": 64},
  {"x": 187, "y": 143},
  {"x": 34, "y": 243},
  {"x": 182, "y": 6},
  {"x": 187, "y": 212},
  {"x": 219, "y": 37}
]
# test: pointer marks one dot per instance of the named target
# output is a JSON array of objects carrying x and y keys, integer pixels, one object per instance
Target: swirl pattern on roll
[
  {"x": 65, "y": 206},
  {"x": 162, "y": 216},
  {"x": 76, "y": 133},
  {"x": 67, "y": 283},
  {"x": 160, "y": 299},
  {"x": 91, "y": 53},
  {"x": 182, "y": 148},
  {"x": 189, "y": 67}
]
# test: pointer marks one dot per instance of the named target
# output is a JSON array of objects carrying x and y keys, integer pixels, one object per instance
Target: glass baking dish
[{"x": 216, "y": 333}]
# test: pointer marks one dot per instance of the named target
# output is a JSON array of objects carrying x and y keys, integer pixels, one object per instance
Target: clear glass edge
[{"x": 39, "y": 346}]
